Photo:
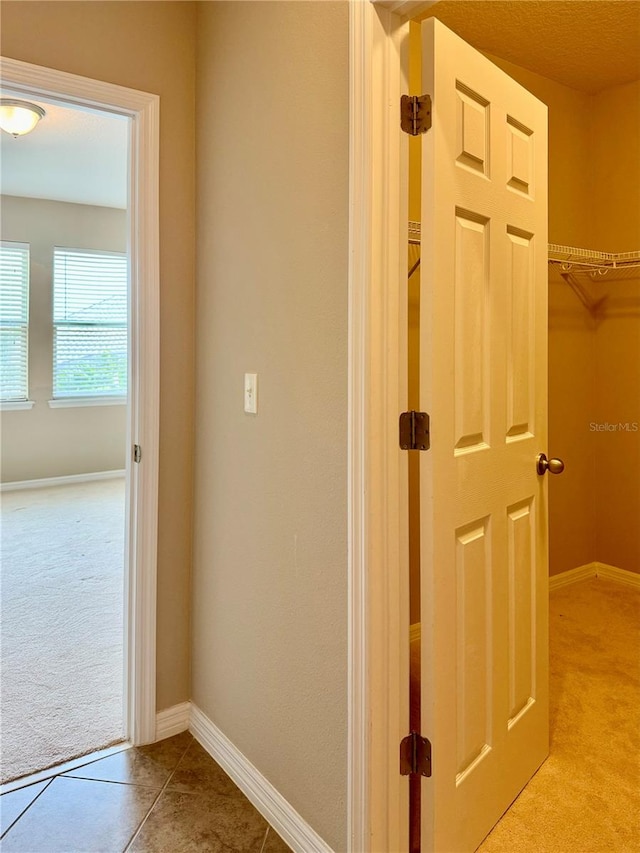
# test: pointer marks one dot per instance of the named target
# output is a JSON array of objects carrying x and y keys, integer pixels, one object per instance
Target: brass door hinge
[
  {"x": 414, "y": 431},
  {"x": 415, "y": 114},
  {"x": 415, "y": 755}
]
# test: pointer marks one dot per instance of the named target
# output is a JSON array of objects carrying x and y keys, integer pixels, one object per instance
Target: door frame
[
  {"x": 144, "y": 368},
  {"x": 378, "y": 566},
  {"x": 378, "y": 700},
  {"x": 378, "y": 519}
]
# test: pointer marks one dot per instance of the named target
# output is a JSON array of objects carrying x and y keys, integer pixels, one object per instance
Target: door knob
[{"x": 553, "y": 466}]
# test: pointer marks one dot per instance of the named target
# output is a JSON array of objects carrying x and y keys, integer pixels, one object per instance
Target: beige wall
[
  {"x": 572, "y": 500},
  {"x": 617, "y": 446},
  {"x": 148, "y": 46},
  {"x": 616, "y": 164},
  {"x": 43, "y": 442},
  {"x": 270, "y": 554}
]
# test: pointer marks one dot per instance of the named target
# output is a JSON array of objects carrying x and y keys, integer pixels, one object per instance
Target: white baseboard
[
  {"x": 173, "y": 720},
  {"x": 61, "y": 481},
  {"x": 612, "y": 573},
  {"x": 581, "y": 573},
  {"x": 594, "y": 570},
  {"x": 270, "y": 803}
]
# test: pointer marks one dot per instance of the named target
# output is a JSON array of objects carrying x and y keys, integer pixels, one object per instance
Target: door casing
[
  {"x": 378, "y": 654},
  {"x": 142, "y": 109}
]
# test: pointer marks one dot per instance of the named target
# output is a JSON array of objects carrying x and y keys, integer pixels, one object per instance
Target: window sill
[
  {"x": 16, "y": 405},
  {"x": 80, "y": 402}
]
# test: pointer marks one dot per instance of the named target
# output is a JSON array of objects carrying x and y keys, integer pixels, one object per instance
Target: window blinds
[
  {"x": 90, "y": 323},
  {"x": 14, "y": 321}
]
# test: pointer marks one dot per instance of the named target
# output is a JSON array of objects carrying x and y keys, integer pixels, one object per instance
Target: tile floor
[{"x": 168, "y": 797}]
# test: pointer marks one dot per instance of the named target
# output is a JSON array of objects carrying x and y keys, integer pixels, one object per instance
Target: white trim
[
  {"x": 282, "y": 816},
  {"x": 65, "y": 88},
  {"x": 378, "y": 548},
  {"x": 405, "y": 8},
  {"x": 594, "y": 570},
  {"x": 144, "y": 398},
  {"x": 144, "y": 421},
  {"x": 613, "y": 573},
  {"x": 68, "y": 480},
  {"x": 15, "y": 244},
  {"x": 79, "y": 402},
  {"x": 16, "y": 405},
  {"x": 173, "y": 720},
  {"x": 581, "y": 573},
  {"x": 359, "y": 239}
]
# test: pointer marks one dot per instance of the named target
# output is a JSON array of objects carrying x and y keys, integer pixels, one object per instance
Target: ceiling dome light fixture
[{"x": 19, "y": 117}]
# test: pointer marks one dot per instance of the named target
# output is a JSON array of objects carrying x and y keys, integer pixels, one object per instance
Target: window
[
  {"x": 89, "y": 324},
  {"x": 14, "y": 321}
]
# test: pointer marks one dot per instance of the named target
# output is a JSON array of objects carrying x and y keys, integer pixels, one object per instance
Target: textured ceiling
[
  {"x": 72, "y": 155},
  {"x": 588, "y": 45}
]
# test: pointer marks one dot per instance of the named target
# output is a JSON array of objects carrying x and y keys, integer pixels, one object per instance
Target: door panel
[{"x": 483, "y": 381}]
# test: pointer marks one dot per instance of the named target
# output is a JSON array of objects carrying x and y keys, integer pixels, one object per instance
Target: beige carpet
[
  {"x": 586, "y": 796},
  {"x": 61, "y": 677}
]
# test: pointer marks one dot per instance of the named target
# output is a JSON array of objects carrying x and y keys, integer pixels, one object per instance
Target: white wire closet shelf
[
  {"x": 596, "y": 265},
  {"x": 583, "y": 262}
]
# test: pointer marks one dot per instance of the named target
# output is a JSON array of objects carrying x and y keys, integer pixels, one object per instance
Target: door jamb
[
  {"x": 144, "y": 370},
  {"x": 378, "y": 528}
]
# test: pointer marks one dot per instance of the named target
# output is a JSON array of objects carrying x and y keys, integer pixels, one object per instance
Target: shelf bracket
[{"x": 592, "y": 305}]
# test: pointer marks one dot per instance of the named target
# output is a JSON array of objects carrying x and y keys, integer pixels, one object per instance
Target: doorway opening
[
  {"x": 64, "y": 398},
  {"x": 100, "y": 350},
  {"x": 594, "y": 392}
]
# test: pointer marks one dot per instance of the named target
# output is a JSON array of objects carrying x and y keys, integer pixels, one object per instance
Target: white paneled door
[{"x": 483, "y": 381}]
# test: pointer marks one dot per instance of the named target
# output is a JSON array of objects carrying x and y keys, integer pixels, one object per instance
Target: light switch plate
[{"x": 251, "y": 393}]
